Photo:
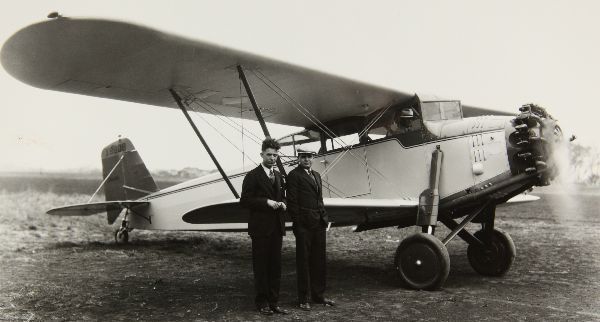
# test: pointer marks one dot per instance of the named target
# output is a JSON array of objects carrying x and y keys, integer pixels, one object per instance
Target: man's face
[
  {"x": 269, "y": 157},
  {"x": 305, "y": 160},
  {"x": 405, "y": 122}
]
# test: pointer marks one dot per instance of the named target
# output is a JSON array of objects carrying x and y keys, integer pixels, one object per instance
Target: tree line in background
[{"x": 584, "y": 164}]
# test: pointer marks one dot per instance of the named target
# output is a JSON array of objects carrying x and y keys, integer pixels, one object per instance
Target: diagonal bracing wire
[
  {"x": 319, "y": 124},
  {"x": 199, "y": 114}
]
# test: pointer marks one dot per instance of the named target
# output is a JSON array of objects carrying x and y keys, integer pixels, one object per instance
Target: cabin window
[
  {"x": 307, "y": 140},
  {"x": 441, "y": 110},
  {"x": 342, "y": 141}
]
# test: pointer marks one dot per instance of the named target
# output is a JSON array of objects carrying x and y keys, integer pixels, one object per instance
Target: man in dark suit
[
  {"x": 305, "y": 206},
  {"x": 263, "y": 194}
]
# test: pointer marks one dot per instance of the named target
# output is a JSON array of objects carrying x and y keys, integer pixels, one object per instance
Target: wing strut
[
  {"x": 212, "y": 156},
  {"x": 259, "y": 116}
]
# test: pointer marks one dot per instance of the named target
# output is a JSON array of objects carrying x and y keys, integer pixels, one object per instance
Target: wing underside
[
  {"x": 133, "y": 63},
  {"x": 129, "y": 62}
]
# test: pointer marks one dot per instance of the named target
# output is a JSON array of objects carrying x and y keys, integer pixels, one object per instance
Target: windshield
[{"x": 441, "y": 110}]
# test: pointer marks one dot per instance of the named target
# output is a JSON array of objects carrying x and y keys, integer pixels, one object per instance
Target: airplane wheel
[
  {"x": 422, "y": 262},
  {"x": 496, "y": 259},
  {"x": 121, "y": 236}
]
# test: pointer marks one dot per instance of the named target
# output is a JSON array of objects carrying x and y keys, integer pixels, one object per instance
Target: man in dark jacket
[
  {"x": 263, "y": 194},
  {"x": 305, "y": 206}
]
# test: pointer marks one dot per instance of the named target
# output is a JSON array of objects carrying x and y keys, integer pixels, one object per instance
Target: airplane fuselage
[{"x": 474, "y": 153}]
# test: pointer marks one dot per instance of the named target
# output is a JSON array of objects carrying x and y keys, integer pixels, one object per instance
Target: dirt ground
[{"x": 69, "y": 269}]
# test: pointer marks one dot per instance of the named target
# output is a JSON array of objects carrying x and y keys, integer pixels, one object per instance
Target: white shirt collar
[{"x": 267, "y": 170}]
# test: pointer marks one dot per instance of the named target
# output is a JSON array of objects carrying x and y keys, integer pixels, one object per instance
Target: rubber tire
[
  {"x": 121, "y": 236},
  {"x": 495, "y": 260},
  {"x": 434, "y": 265}
]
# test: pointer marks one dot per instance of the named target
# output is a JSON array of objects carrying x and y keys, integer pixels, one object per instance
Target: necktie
[{"x": 272, "y": 176}]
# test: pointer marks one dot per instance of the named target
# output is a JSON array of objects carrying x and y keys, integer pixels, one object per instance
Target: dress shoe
[
  {"x": 265, "y": 311},
  {"x": 278, "y": 310},
  {"x": 326, "y": 302},
  {"x": 304, "y": 306}
]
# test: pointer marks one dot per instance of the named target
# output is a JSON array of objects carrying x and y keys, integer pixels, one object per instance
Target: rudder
[{"x": 129, "y": 178}]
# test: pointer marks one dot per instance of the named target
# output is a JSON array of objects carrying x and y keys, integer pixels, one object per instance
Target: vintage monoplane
[{"x": 387, "y": 157}]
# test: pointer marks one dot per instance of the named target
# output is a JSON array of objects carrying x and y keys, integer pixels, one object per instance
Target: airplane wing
[
  {"x": 341, "y": 211},
  {"x": 93, "y": 208},
  {"x": 523, "y": 198},
  {"x": 129, "y": 62}
]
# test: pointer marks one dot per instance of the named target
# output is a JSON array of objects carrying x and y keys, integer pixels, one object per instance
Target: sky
[{"x": 493, "y": 54}]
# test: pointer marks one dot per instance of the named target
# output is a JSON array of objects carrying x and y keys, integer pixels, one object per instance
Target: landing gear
[
  {"x": 422, "y": 262},
  {"x": 496, "y": 257},
  {"x": 122, "y": 234}
]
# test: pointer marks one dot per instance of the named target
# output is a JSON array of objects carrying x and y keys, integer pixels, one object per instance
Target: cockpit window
[
  {"x": 441, "y": 110},
  {"x": 394, "y": 122}
]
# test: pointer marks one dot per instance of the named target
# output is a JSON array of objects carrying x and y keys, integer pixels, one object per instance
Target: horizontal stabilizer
[{"x": 93, "y": 208}]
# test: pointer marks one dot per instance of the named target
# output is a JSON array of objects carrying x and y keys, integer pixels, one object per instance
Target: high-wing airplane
[{"x": 387, "y": 157}]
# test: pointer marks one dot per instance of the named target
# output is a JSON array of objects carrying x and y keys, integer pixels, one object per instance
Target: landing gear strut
[{"x": 422, "y": 260}]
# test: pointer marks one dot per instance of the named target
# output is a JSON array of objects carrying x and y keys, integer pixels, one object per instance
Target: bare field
[{"x": 69, "y": 269}]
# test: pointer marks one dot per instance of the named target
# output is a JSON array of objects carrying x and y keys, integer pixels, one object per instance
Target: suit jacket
[
  {"x": 256, "y": 189},
  {"x": 305, "y": 199}
]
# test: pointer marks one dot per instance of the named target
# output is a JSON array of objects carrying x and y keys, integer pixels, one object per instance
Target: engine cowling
[{"x": 533, "y": 139}]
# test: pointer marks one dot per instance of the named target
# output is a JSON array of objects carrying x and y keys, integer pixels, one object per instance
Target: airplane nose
[{"x": 533, "y": 140}]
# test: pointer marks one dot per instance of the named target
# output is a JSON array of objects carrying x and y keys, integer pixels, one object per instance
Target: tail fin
[{"x": 129, "y": 178}]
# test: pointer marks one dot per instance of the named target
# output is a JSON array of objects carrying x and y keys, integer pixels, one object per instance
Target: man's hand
[
  {"x": 276, "y": 204},
  {"x": 273, "y": 204}
]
